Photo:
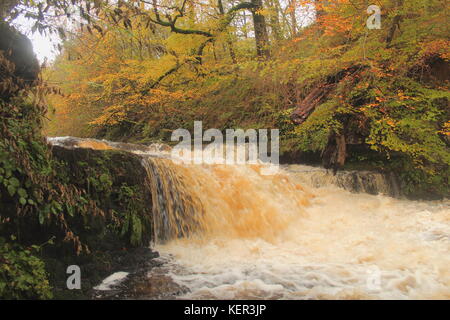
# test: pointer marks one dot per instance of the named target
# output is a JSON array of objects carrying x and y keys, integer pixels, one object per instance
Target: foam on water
[
  {"x": 111, "y": 281},
  {"x": 341, "y": 246}
]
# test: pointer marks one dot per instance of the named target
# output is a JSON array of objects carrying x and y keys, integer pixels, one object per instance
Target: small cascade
[{"x": 200, "y": 201}]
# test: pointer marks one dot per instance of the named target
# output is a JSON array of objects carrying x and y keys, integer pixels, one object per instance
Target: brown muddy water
[{"x": 230, "y": 232}]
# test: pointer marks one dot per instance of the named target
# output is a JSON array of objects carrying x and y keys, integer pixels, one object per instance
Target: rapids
[{"x": 229, "y": 232}]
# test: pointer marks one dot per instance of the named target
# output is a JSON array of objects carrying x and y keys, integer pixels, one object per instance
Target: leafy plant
[{"x": 22, "y": 273}]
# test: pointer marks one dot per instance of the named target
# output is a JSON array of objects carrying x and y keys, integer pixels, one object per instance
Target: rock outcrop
[{"x": 19, "y": 68}]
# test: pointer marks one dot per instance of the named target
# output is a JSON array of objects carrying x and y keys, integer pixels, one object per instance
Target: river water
[{"x": 230, "y": 232}]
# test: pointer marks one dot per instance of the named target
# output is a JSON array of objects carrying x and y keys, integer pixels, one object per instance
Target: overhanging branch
[{"x": 211, "y": 37}]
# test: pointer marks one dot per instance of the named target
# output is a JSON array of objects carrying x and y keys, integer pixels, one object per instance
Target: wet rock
[
  {"x": 137, "y": 263},
  {"x": 103, "y": 175},
  {"x": 370, "y": 182}
]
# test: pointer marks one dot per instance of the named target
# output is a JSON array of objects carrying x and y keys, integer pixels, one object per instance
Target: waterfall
[
  {"x": 176, "y": 212},
  {"x": 229, "y": 232},
  {"x": 221, "y": 200}
]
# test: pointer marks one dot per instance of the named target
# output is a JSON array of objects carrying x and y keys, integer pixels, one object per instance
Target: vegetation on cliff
[{"x": 62, "y": 202}]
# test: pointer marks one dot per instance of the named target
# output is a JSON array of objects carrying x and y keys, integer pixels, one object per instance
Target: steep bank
[
  {"x": 106, "y": 218},
  {"x": 63, "y": 207}
]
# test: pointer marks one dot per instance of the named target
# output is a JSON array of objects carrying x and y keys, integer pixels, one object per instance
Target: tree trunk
[
  {"x": 395, "y": 24},
  {"x": 293, "y": 17},
  {"x": 335, "y": 153},
  {"x": 229, "y": 42},
  {"x": 19, "y": 68},
  {"x": 261, "y": 35},
  {"x": 275, "y": 20},
  {"x": 6, "y": 7}
]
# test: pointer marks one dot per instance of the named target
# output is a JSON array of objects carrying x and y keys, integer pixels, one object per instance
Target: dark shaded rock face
[
  {"x": 116, "y": 180},
  {"x": 103, "y": 175},
  {"x": 123, "y": 167},
  {"x": 19, "y": 67}
]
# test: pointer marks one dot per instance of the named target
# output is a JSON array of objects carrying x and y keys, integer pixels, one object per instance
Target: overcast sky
[{"x": 44, "y": 45}]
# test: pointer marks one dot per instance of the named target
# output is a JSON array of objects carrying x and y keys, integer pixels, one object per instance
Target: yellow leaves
[
  {"x": 386, "y": 120},
  {"x": 391, "y": 122},
  {"x": 362, "y": 85},
  {"x": 446, "y": 129},
  {"x": 438, "y": 47},
  {"x": 111, "y": 115},
  {"x": 165, "y": 97},
  {"x": 136, "y": 103},
  {"x": 334, "y": 24},
  {"x": 381, "y": 73},
  {"x": 401, "y": 95},
  {"x": 263, "y": 12},
  {"x": 75, "y": 96}
]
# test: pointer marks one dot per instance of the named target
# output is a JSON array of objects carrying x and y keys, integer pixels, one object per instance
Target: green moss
[{"x": 116, "y": 182}]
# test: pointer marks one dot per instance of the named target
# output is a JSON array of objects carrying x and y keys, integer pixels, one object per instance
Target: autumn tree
[{"x": 260, "y": 27}]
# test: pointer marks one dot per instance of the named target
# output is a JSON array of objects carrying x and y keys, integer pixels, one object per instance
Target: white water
[
  {"x": 268, "y": 237},
  {"x": 334, "y": 252},
  {"x": 111, "y": 281}
]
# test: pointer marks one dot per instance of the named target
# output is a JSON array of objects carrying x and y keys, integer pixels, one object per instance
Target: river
[{"x": 229, "y": 232}]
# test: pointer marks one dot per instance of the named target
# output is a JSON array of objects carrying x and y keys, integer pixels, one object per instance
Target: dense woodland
[
  {"x": 355, "y": 94},
  {"x": 342, "y": 95}
]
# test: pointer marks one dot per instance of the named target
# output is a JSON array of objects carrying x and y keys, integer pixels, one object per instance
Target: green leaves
[
  {"x": 22, "y": 274},
  {"x": 11, "y": 190},
  {"x": 22, "y": 201},
  {"x": 41, "y": 216},
  {"x": 11, "y": 183},
  {"x": 14, "y": 182},
  {"x": 132, "y": 225},
  {"x": 22, "y": 193},
  {"x": 136, "y": 230}
]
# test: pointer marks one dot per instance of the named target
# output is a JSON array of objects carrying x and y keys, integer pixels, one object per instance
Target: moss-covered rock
[{"x": 116, "y": 181}]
